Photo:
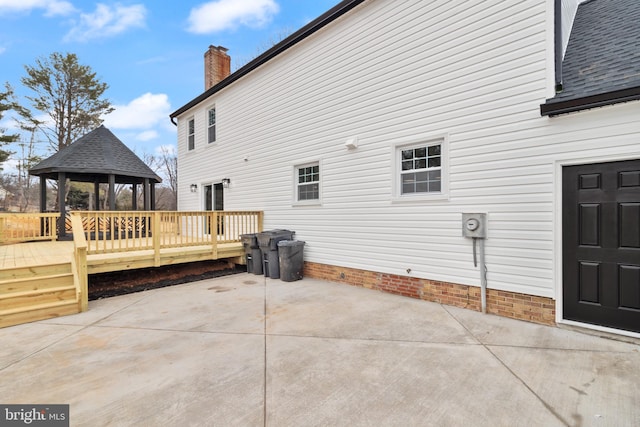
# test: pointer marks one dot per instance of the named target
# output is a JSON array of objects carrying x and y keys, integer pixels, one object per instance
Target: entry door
[
  {"x": 601, "y": 244},
  {"x": 214, "y": 200}
]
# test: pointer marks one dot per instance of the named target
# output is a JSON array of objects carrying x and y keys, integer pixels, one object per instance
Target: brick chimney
[{"x": 217, "y": 65}]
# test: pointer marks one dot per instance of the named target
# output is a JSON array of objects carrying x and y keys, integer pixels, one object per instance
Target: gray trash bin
[
  {"x": 252, "y": 253},
  {"x": 291, "y": 255},
  {"x": 268, "y": 242}
]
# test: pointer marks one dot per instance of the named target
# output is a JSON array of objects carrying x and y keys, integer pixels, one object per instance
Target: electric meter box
[{"x": 474, "y": 225}]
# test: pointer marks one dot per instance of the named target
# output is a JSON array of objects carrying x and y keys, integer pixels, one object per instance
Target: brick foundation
[{"x": 502, "y": 303}]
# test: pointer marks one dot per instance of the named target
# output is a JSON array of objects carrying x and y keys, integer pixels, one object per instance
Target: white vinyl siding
[{"x": 472, "y": 70}]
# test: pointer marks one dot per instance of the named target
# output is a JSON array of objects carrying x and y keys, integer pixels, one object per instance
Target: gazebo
[{"x": 98, "y": 157}]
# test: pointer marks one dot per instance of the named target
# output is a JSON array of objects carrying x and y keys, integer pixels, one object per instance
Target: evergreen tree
[
  {"x": 7, "y": 103},
  {"x": 69, "y": 93}
]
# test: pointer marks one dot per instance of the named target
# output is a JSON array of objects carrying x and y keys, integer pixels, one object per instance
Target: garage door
[{"x": 601, "y": 244}]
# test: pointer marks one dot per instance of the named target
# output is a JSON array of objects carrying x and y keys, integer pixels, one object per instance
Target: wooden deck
[
  {"x": 45, "y": 279},
  {"x": 34, "y": 254}
]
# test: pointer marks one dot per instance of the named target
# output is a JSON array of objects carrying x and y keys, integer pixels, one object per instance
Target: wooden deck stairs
[{"x": 37, "y": 292}]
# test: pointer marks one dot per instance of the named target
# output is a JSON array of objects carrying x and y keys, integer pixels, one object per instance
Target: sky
[{"x": 150, "y": 53}]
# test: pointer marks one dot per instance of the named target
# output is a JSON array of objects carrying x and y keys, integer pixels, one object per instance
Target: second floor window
[
  {"x": 191, "y": 134},
  {"x": 212, "y": 125}
]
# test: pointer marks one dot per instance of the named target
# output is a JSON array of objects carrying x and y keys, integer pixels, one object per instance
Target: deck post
[
  {"x": 156, "y": 237},
  {"x": 213, "y": 232}
]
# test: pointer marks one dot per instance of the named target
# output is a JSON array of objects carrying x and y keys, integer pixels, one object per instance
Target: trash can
[
  {"x": 252, "y": 253},
  {"x": 290, "y": 253},
  {"x": 268, "y": 243}
]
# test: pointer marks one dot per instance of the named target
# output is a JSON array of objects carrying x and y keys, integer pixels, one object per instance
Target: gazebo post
[
  {"x": 153, "y": 195},
  {"x": 134, "y": 195},
  {"x": 43, "y": 194},
  {"x": 112, "y": 192},
  {"x": 62, "y": 178},
  {"x": 147, "y": 202},
  {"x": 96, "y": 190},
  {"x": 43, "y": 204}
]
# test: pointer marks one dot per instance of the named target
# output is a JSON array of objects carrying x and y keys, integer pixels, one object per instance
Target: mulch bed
[{"x": 115, "y": 283}]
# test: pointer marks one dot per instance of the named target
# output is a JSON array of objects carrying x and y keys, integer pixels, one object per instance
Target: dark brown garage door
[{"x": 601, "y": 244}]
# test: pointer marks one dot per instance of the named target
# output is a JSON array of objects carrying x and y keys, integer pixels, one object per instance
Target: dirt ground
[{"x": 106, "y": 285}]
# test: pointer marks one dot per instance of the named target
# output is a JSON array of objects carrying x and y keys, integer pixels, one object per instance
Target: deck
[{"x": 49, "y": 278}]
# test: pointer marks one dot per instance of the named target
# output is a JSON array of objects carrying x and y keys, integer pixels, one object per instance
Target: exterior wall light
[
  {"x": 226, "y": 182},
  {"x": 194, "y": 188}
]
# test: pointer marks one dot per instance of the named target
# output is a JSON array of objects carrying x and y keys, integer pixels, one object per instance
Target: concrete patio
[{"x": 243, "y": 350}]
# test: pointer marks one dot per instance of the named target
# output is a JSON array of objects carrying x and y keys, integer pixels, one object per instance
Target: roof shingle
[{"x": 98, "y": 153}]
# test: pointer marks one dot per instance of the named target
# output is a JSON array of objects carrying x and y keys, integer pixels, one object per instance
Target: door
[
  {"x": 601, "y": 244},
  {"x": 214, "y": 200}
]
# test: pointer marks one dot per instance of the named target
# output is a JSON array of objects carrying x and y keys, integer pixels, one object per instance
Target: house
[{"x": 373, "y": 129}]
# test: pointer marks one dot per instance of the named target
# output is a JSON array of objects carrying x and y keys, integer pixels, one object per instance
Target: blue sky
[{"x": 149, "y": 53}]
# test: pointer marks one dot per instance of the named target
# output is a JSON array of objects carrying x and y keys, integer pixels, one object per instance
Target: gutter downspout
[{"x": 557, "y": 18}]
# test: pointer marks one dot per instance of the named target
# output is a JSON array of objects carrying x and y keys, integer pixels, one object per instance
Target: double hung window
[
  {"x": 307, "y": 178},
  {"x": 212, "y": 125},
  {"x": 421, "y": 169},
  {"x": 191, "y": 134}
]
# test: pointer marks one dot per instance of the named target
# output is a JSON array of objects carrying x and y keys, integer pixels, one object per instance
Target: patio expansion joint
[{"x": 550, "y": 408}]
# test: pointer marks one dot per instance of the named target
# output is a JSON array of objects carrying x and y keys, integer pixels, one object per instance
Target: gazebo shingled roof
[
  {"x": 98, "y": 157},
  {"x": 94, "y": 157}
]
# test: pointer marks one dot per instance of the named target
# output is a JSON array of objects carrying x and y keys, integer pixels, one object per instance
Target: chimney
[{"x": 217, "y": 66}]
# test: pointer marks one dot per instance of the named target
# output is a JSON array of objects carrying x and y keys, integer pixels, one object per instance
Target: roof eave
[
  {"x": 315, "y": 25},
  {"x": 551, "y": 108}
]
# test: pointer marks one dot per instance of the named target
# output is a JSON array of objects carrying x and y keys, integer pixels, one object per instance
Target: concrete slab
[
  {"x": 322, "y": 382},
  {"x": 248, "y": 351},
  {"x": 131, "y": 376},
  {"x": 323, "y": 309},
  {"x": 584, "y": 388}
]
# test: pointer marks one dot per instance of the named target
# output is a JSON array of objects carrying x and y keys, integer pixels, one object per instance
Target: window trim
[
  {"x": 191, "y": 136},
  {"x": 396, "y": 169},
  {"x": 215, "y": 125},
  {"x": 296, "y": 167}
]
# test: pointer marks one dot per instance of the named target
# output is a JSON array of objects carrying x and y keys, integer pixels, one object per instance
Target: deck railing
[
  {"x": 26, "y": 227},
  {"x": 121, "y": 231}
]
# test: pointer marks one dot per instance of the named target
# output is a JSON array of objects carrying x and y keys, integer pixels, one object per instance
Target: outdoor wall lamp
[
  {"x": 194, "y": 188},
  {"x": 226, "y": 182}
]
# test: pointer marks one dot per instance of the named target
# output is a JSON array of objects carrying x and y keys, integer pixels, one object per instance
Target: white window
[
  {"x": 307, "y": 179},
  {"x": 191, "y": 134},
  {"x": 212, "y": 125},
  {"x": 421, "y": 170}
]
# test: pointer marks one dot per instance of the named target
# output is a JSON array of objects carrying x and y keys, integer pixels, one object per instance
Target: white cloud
[
  {"x": 51, "y": 7},
  {"x": 144, "y": 114},
  {"x": 2, "y": 50},
  {"x": 147, "y": 135},
  {"x": 225, "y": 14},
  {"x": 107, "y": 21}
]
